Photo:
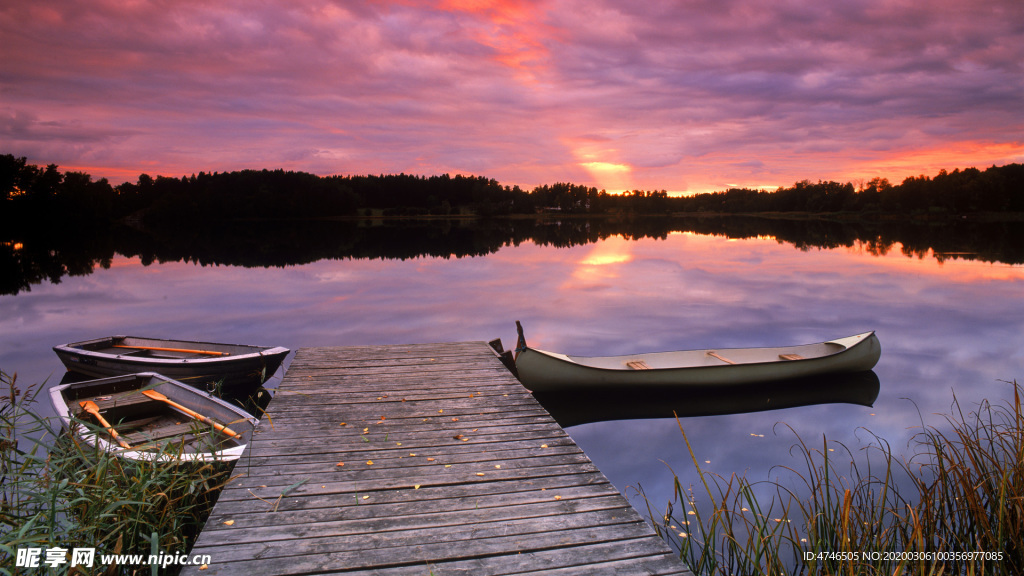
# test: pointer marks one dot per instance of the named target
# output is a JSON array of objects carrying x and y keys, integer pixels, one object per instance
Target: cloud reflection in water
[{"x": 955, "y": 326}]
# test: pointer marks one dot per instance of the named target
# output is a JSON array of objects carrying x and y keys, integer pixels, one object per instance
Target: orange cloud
[
  {"x": 900, "y": 164},
  {"x": 511, "y": 28},
  {"x": 609, "y": 176}
]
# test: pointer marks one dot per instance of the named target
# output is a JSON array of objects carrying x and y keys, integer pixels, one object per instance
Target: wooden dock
[{"x": 420, "y": 459}]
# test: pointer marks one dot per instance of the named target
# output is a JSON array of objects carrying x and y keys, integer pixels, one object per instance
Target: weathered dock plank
[{"x": 419, "y": 459}]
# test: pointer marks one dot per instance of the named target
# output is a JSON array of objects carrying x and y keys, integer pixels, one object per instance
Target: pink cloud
[{"x": 682, "y": 96}]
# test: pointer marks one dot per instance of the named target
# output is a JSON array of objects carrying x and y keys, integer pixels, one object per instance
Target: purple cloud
[{"x": 675, "y": 95}]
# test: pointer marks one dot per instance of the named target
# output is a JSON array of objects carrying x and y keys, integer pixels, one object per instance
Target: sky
[{"x": 684, "y": 95}]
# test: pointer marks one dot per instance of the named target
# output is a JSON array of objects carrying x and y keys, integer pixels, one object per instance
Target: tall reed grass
[
  {"x": 954, "y": 506},
  {"x": 58, "y": 491}
]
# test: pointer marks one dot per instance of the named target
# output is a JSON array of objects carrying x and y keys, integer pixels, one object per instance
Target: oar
[
  {"x": 158, "y": 396},
  {"x": 182, "y": 350},
  {"x": 91, "y": 407}
]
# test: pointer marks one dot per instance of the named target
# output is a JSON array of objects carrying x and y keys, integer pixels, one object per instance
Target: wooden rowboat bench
[
  {"x": 790, "y": 357},
  {"x": 183, "y": 429},
  {"x": 133, "y": 401}
]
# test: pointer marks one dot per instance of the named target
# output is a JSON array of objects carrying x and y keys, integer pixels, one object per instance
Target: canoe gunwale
[{"x": 861, "y": 338}]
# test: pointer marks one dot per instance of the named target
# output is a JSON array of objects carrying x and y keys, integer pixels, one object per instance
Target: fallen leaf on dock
[
  {"x": 343, "y": 424},
  {"x": 369, "y": 462},
  {"x": 479, "y": 473},
  {"x": 340, "y": 464},
  {"x": 416, "y": 487},
  {"x": 229, "y": 522},
  {"x": 457, "y": 437},
  {"x": 558, "y": 497},
  {"x": 430, "y": 459},
  {"x": 543, "y": 445},
  {"x": 455, "y": 419}
]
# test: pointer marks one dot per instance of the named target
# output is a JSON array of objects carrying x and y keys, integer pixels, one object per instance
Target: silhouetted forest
[
  {"x": 55, "y": 224},
  {"x": 46, "y": 196}
]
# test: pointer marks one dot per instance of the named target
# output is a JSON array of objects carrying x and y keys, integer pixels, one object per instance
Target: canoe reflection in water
[{"x": 635, "y": 402}]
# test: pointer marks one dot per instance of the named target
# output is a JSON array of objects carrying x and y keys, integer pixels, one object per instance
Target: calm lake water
[{"x": 952, "y": 326}]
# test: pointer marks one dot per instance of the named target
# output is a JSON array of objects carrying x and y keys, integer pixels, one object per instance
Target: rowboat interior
[
  {"x": 151, "y": 425},
  {"x": 132, "y": 347}
]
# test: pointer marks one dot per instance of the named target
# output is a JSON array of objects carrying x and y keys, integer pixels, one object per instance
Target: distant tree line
[
  {"x": 996, "y": 189},
  {"x": 32, "y": 194}
]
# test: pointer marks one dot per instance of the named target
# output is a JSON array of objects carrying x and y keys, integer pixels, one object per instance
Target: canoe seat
[
  {"x": 638, "y": 365},
  {"x": 720, "y": 357},
  {"x": 790, "y": 357}
]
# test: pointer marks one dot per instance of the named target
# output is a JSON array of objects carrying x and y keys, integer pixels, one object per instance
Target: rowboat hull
[
  {"x": 153, "y": 429},
  {"x": 548, "y": 371},
  {"x": 239, "y": 368}
]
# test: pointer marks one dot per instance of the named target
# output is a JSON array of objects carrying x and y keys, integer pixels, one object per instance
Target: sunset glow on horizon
[{"x": 685, "y": 97}]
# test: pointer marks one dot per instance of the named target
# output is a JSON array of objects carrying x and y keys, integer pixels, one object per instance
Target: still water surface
[{"x": 945, "y": 328}]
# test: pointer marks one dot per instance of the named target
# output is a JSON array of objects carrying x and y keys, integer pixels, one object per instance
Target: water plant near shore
[
  {"x": 56, "y": 491},
  {"x": 954, "y": 506}
]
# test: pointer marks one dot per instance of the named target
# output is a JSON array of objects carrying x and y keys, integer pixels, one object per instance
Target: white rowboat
[
  {"x": 147, "y": 428},
  {"x": 539, "y": 370}
]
